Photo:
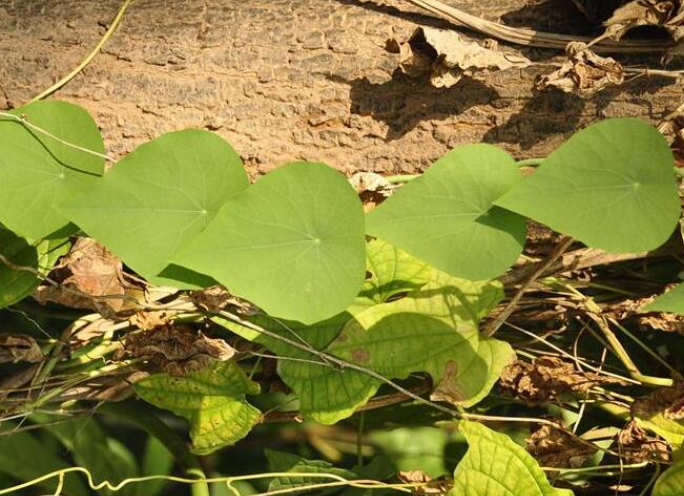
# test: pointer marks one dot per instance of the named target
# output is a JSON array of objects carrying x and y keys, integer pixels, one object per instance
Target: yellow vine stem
[
  {"x": 89, "y": 57},
  {"x": 337, "y": 481}
]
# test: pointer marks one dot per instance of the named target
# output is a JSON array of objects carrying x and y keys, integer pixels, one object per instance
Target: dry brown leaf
[
  {"x": 441, "y": 485},
  {"x": 637, "y": 446},
  {"x": 667, "y": 14},
  {"x": 15, "y": 348},
  {"x": 553, "y": 447},
  {"x": 89, "y": 270},
  {"x": 147, "y": 320},
  {"x": 445, "y": 58},
  {"x": 547, "y": 378},
  {"x": 668, "y": 401},
  {"x": 177, "y": 349},
  {"x": 372, "y": 188},
  {"x": 585, "y": 73}
]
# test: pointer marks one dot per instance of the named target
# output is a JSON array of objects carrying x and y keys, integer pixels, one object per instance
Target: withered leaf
[
  {"x": 445, "y": 58},
  {"x": 548, "y": 378},
  {"x": 638, "y": 446},
  {"x": 553, "y": 447},
  {"x": 15, "y": 348},
  {"x": 89, "y": 270},
  {"x": 372, "y": 188},
  {"x": 667, "y": 14},
  {"x": 441, "y": 485},
  {"x": 177, "y": 349},
  {"x": 668, "y": 401},
  {"x": 585, "y": 73}
]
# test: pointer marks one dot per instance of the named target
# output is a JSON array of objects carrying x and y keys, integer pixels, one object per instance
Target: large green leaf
[
  {"x": 17, "y": 284},
  {"x": 212, "y": 400},
  {"x": 672, "y": 302},
  {"x": 159, "y": 197},
  {"x": 671, "y": 482},
  {"x": 39, "y": 172},
  {"x": 426, "y": 332},
  {"x": 293, "y": 243},
  {"x": 432, "y": 330},
  {"x": 23, "y": 458},
  {"x": 496, "y": 466},
  {"x": 447, "y": 218},
  {"x": 611, "y": 186}
]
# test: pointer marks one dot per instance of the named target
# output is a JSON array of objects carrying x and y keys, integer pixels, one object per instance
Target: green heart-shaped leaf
[
  {"x": 611, "y": 186},
  {"x": 159, "y": 197},
  {"x": 212, "y": 400},
  {"x": 39, "y": 172},
  {"x": 292, "y": 243},
  {"x": 447, "y": 218}
]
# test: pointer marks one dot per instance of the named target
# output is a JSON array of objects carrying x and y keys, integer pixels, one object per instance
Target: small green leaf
[
  {"x": 611, "y": 186},
  {"x": 496, "y": 466},
  {"x": 447, "y": 218},
  {"x": 293, "y": 243},
  {"x": 159, "y": 197},
  {"x": 671, "y": 301},
  {"x": 212, "y": 400},
  {"x": 38, "y": 172},
  {"x": 671, "y": 482},
  {"x": 16, "y": 284},
  {"x": 392, "y": 272},
  {"x": 287, "y": 462},
  {"x": 157, "y": 460}
]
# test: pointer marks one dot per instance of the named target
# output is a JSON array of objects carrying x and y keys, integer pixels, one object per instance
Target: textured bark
[{"x": 295, "y": 79}]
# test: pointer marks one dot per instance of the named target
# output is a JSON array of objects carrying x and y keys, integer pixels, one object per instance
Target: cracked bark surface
[{"x": 287, "y": 80}]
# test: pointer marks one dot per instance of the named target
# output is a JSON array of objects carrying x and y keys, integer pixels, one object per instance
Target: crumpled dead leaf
[
  {"x": 89, "y": 269},
  {"x": 177, "y": 349},
  {"x": 666, "y": 14},
  {"x": 372, "y": 188},
  {"x": 442, "y": 55},
  {"x": 548, "y": 378},
  {"x": 15, "y": 348},
  {"x": 585, "y": 73},
  {"x": 553, "y": 447},
  {"x": 637, "y": 446},
  {"x": 441, "y": 485},
  {"x": 668, "y": 401},
  {"x": 631, "y": 310}
]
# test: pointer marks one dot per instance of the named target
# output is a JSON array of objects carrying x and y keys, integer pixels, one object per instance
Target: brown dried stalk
[{"x": 531, "y": 37}]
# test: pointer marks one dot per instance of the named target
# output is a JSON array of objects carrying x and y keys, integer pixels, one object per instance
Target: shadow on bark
[{"x": 403, "y": 103}]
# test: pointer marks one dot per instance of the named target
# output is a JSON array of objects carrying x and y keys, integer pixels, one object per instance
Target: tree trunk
[{"x": 287, "y": 80}]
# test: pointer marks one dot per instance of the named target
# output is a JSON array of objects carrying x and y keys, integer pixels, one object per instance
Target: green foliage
[
  {"x": 611, "y": 186},
  {"x": 23, "y": 457},
  {"x": 106, "y": 458},
  {"x": 180, "y": 210},
  {"x": 379, "y": 469},
  {"x": 671, "y": 482},
  {"x": 17, "y": 284},
  {"x": 159, "y": 197},
  {"x": 672, "y": 301},
  {"x": 447, "y": 216},
  {"x": 212, "y": 400},
  {"x": 495, "y": 466},
  {"x": 301, "y": 229},
  {"x": 39, "y": 172}
]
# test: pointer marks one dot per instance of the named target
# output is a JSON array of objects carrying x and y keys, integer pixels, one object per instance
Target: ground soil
[{"x": 298, "y": 79}]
